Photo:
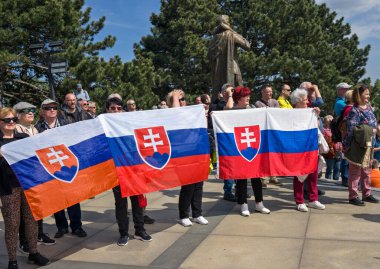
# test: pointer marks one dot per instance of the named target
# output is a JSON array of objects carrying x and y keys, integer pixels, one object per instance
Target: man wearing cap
[
  {"x": 81, "y": 94},
  {"x": 340, "y": 102},
  {"x": 49, "y": 116},
  {"x": 70, "y": 112}
]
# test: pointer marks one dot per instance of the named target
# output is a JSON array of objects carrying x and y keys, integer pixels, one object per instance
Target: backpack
[{"x": 339, "y": 127}]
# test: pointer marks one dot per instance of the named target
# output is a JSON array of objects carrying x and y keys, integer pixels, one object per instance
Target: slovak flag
[
  {"x": 158, "y": 149},
  {"x": 62, "y": 166},
  {"x": 263, "y": 142}
]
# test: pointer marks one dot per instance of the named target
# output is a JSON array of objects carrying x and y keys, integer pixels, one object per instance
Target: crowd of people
[{"x": 352, "y": 137}]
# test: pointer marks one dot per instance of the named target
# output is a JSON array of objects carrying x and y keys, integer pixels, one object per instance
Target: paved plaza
[{"x": 342, "y": 236}]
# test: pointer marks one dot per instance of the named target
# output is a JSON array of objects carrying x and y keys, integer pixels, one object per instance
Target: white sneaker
[
  {"x": 201, "y": 220},
  {"x": 244, "y": 210},
  {"x": 302, "y": 208},
  {"x": 186, "y": 222},
  {"x": 317, "y": 205},
  {"x": 261, "y": 208}
]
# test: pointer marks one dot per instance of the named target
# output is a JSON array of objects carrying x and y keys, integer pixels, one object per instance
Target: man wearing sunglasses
[
  {"x": 49, "y": 116},
  {"x": 70, "y": 112},
  {"x": 115, "y": 105},
  {"x": 131, "y": 105}
]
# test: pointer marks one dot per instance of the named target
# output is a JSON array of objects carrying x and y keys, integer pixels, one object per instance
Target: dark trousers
[
  {"x": 241, "y": 190},
  {"x": 190, "y": 195},
  {"x": 75, "y": 217},
  {"x": 121, "y": 212}
]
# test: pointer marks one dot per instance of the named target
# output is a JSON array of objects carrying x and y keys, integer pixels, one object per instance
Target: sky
[{"x": 129, "y": 20}]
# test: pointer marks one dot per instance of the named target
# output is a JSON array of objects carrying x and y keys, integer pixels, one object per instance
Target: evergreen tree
[{"x": 22, "y": 23}]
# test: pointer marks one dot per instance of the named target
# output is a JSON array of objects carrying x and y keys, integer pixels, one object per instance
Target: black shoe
[
  {"x": 38, "y": 259},
  {"x": 44, "y": 239},
  {"x": 228, "y": 196},
  {"x": 148, "y": 220},
  {"x": 12, "y": 265},
  {"x": 371, "y": 199},
  {"x": 143, "y": 236},
  {"x": 79, "y": 232},
  {"x": 123, "y": 240},
  {"x": 320, "y": 192},
  {"x": 24, "y": 248},
  {"x": 61, "y": 232},
  {"x": 356, "y": 201}
]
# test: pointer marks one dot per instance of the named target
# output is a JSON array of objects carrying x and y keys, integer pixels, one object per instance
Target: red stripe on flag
[
  {"x": 139, "y": 179},
  {"x": 55, "y": 195},
  {"x": 268, "y": 164}
]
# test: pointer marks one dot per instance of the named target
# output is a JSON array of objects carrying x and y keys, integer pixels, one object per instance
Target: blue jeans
[
  {"x": 333, "y": 165},
  {"x": 228, "y": 184},
  {"x": 344, "y": 171}
]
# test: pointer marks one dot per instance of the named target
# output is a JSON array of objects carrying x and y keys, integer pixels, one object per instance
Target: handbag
[{"x": 322, "y": 143}]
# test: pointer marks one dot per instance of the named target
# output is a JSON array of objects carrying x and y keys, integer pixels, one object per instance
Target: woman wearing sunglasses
[
  {"x": 13, "y": 198},
  {"x": 191, "y": 194}
]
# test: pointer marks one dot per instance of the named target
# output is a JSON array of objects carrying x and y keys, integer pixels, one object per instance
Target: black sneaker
[
  {"x": 79, "y": 232},
  {"x": 143, "y": 236},
  {"x": 12, "y": 265},
  {"x": 38, "y": 259},
  {"x": 44, "y": 239},
  {"x": 356, "y": 201},
  {"x": 228, "y": 196},
  {"x": 24, "y": 248},
  {"x": 61, "y": 232},
  {"x": 123, "y": 240},
  {"x": 371, "y": 199},
  {"x": 148, "y": 220}
]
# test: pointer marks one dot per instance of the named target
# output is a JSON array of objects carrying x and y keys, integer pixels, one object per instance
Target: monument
[{"x": 223, "y": 56}]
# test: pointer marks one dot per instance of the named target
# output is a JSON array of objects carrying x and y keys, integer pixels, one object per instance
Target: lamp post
[{"x": 55, "y": 67}]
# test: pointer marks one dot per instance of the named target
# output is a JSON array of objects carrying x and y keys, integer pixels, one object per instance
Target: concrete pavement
[{"x": 342, "y": 236}]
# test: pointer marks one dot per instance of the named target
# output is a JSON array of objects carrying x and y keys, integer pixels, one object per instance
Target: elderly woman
[
  {"x": 191, "y": 194},
  {"x": 361, "y": 127},
  {"x": 299, "y": 100},
  {"x": 241, "y": 96},
  {"x": 13, "y": 198}
]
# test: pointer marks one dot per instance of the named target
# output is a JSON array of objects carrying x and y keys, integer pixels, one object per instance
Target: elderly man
[
  {"x": 313, "y": 94},
  {"x": 92, "y": 109},
  {"x": 198, "y": 100},
  {"x": 70, "y": 112},
  {"x": 131, "y": 105},
  {"x": 115, "y": 105},
  {"x": 340, "y": 101},
  {"x": 284, "y": 96},
  {"x": 266, "y": 98},
  {"x": 81, "y": 94}
]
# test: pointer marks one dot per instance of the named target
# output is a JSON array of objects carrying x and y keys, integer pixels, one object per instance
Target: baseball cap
[
  {"x": 48, "y": 101},
  {"x": 343, "y": 85}
]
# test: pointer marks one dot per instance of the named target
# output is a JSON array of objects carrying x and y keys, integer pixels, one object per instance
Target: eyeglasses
[
  {"x": 27, "y": 110},
  {"x": 183, "y": 99},
  {"x": 84, "y": 104},
  {"x": 114, "y": 108},
  {"x": 131, "y": 104},
  {"x": 50, "y": 108},
  {"x": 92, "y": 107},
  {"x": 288, "y": 90},
  {"x": 9, "y": 120}
]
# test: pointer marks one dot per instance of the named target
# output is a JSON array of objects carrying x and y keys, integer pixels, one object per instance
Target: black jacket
[{"x": 8, "y": 179}]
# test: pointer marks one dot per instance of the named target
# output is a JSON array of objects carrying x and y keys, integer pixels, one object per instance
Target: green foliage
[{"x": 291, "y": 41}]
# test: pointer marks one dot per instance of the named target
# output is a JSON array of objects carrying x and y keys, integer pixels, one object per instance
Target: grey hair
[
  {"x": 303, "y": 85},
  {"x": 297, "y": 96}
]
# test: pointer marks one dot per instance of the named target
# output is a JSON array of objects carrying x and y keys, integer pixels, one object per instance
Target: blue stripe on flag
[
  {"x": 184, "y": 142},
  {"x": 93, "y": 151},
  {"x": 273, "y": 141}
]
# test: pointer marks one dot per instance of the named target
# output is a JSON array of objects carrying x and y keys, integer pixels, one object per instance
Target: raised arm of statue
[{"x": 241, "y": 42}]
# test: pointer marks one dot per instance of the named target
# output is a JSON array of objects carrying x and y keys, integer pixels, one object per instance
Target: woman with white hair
[{"x": 299, "y": 100}]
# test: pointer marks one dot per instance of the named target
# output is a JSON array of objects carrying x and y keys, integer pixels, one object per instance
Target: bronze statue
[{"x": 223, "y": 56}]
